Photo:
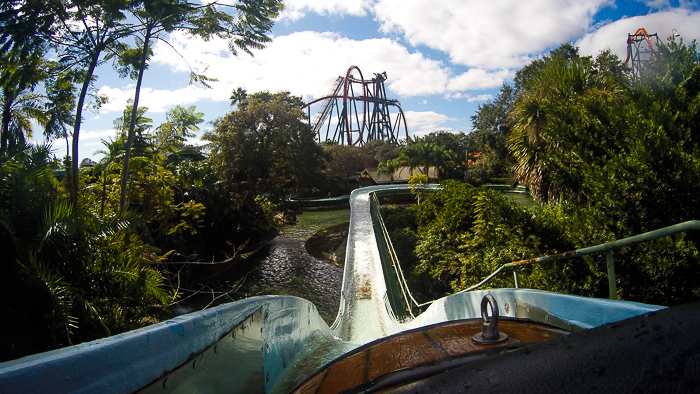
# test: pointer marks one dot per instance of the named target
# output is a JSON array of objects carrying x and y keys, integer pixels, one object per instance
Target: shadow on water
[{"x": 283, "y": 268}]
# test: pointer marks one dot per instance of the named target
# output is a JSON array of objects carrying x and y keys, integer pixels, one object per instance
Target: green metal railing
[
  {"x": 398, "y": 295},
  {"x": 608, "y": 248}
]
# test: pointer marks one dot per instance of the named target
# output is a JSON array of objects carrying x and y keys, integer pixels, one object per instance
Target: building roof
[{"x": 401, "y": 174}]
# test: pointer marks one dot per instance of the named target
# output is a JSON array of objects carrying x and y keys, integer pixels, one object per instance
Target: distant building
[
  {"x": 87, "y": 163},
  {"x": 190, "y": 153},
  {"x": 370, "y": 177}
]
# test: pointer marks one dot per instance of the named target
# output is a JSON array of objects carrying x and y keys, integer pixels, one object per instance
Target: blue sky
[{"x": 443, "y": 57}]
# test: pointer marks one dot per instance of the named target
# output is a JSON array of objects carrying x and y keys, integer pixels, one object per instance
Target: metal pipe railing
[
  {"x": 608, "y": 247},
  {"x": 406, "y": 295}
]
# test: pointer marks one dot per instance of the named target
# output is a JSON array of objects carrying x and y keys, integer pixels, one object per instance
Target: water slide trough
[{"x": 379, "y": 340}]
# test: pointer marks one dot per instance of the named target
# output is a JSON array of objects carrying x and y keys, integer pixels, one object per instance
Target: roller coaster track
[
  {"x": 322, "y": 115},
  {"x": 340, "y": 121},
  {"x": 637, "y": 54}
]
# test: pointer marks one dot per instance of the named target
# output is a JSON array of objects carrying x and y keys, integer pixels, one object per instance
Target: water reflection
[
  {"x": 284, "y": 268},
  {"x": 523, "y": 199}
]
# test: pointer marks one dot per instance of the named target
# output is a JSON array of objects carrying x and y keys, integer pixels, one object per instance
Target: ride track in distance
[{"x": 356, "y": 111}]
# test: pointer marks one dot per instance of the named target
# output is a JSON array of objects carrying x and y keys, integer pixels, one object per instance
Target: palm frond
[
  {"x": 57, "y": 223},
  {"x": 58, "y": 291}
]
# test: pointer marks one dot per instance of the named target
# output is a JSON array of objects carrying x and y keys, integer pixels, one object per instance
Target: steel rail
[{"x": 608, "y": 248}]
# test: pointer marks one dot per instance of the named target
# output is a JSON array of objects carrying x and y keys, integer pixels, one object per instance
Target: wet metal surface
[
  {"x": 657, "y": 352},
  {"x": 414, "y": 348}
]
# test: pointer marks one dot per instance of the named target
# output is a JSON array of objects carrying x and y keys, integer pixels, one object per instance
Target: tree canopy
[
  {"x": 605, "y": 156},
  {"x": 267, "y": 146},
  {"x": 78, "y": 262}
]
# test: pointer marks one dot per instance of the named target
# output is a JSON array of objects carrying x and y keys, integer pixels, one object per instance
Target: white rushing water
[{"x": 365, "y": 316}]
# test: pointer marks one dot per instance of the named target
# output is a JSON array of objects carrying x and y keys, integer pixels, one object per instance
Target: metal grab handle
[{"x": 489, "y": 330}]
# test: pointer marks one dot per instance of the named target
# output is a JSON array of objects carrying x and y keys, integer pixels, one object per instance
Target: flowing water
[
  {"x": 287, "y": 269},
  {"x": 284, "y": 268}
]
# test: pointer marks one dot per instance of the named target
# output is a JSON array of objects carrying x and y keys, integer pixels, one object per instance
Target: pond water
[
  {"x": 522, "y": 199},
  {"x": 283, "y": 268}
]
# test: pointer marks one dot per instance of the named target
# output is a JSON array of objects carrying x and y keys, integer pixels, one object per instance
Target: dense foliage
[
  {"x": 86, "y": 34},
  {"x": 266, "y": 146},
  {"x": 69, "y": 275},
  {"x": 88, "y": 248},
  {"x": 76, "y": 271},
  {"x": 605, "y": 157}
]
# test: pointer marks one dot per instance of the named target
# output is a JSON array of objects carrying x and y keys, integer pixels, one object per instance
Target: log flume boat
[{"x": 493, "y": 340}]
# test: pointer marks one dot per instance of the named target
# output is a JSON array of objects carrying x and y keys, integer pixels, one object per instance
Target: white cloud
[
  {"x": 614, "y": 35},
  {"x": 92, "y": 134},
  {"x": 657, "y": 4},
  {"x": 307, "y": 63},
  {"x": 297, "y": 9},
  {"x": 478, "y": 79},
  {"x": 197, "y": 141},
  {"x": 487, "y": 34},
  {"x": 425, "y": 122},
  {"x": 468, "y": 97},
  {"x": 156, "y": 100}
]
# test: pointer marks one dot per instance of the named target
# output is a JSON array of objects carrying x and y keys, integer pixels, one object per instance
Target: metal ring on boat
[{"x": 489, "y": 330}]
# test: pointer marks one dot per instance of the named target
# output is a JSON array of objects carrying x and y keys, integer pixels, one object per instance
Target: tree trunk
[
  {"x": 104, "y": 192},
  {"x": 6, "y": 116},
  {"x": 75, "y": 174},
  {"x": 132, "y": 124}
]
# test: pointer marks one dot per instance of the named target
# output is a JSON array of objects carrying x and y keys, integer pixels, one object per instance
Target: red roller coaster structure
[
  {"x": 340, "y": 121},
  {"x": 640, "y": 50}
]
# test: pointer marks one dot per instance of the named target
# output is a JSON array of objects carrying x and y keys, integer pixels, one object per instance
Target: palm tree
[
  {"x": 564, "y": 86},
  {"x": 70, "y": 276},
  {"x": 19, "y": 105},
  {"x": 528, "y": 146},
  {"x": 142, "y": 125},
  {"x": 416, "y": 155},
  {"x": 441, "y": 159},
  {"x": 425, "y": 155},
  {"x": 60, "y": 108},
  {"x": 18, "y": 111},
  {"x": 90, "y": 29},
  {"x": 389, "y": 167},
  {"x": 238, "y": 96},
  {"x": 418, "y": 182},
  {"x": 180, "y": 124},
  {"x": 114, "y": 149},
  {"x": 249, "y": 31}
]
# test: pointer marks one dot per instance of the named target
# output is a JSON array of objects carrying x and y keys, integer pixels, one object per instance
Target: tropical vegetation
[
  {"x": 605, "y": 156},
  {"x": 88, "y": 249}
]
